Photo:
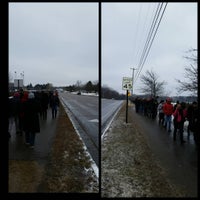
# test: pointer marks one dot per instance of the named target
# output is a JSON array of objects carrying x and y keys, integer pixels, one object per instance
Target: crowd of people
[
  {"x": 168, "y": 113},
  {"x": 26, "y": 108}
]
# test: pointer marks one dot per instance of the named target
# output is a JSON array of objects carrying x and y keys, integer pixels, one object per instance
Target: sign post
[
  {"x": 126, "y": 106},
  {"x": 18, "y": 83},
  {"x": 127, "y": 84}
]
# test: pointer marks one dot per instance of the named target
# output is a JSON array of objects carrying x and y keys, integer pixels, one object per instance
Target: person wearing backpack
[{"x": 179, "y": 119}]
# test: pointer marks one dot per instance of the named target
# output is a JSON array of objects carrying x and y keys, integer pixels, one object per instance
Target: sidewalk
[
  {"x": 128, "y": 166},
  {"x": 58, "y": 163}
]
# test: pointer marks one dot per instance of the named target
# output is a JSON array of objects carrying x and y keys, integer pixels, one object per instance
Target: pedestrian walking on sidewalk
[
  {"x": 44, "y": 104},
  {"x": 168, "y": 111},
  {"x": 54, "y": 104},
  {"x": 160, "y": 113},
  {"x": 31, "y": 119},
  {"x": 192, "y": 116},
  {"x": 179, "y": 119},
  {"x": 23, "y": 99}
]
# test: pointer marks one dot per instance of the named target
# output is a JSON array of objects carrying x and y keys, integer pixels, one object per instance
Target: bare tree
[
  {"x": 78, "y": 85},
  {"x": 191, "y": 75},
  {"x": 151, "y": 85}
]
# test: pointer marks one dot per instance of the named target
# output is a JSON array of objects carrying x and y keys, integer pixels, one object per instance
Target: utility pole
[
  {"x": 133, "y": 77},
  {"x": 23, "y": 78},
  {"x": 22, "y": 75}
]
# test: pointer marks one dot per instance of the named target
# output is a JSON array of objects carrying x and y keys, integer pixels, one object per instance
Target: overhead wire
[
  {"x": 141, "y": 41},
  {"x": 150, "y": 39},
  {"x": 136, "y": 32}
]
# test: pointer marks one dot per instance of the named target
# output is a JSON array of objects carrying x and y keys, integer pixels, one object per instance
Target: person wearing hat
[
  {"x": 168, "y": 111},
  {"x": 31, "y": 119}
]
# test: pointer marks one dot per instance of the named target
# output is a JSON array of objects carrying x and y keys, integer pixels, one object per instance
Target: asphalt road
[
  {"x": 84, "y": 112},
  {"x": 109, "y": 107}
]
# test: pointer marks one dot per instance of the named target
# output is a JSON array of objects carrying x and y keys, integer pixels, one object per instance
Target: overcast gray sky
[
  {"x": 53, "y": 42},
  {"x": 124, "y": 32}
]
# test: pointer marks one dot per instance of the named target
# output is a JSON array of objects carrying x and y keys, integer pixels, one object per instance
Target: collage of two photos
[{"x": 103, "y": 98}]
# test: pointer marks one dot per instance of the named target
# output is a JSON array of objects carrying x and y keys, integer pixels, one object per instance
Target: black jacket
[{"x": 31, "y": 116}]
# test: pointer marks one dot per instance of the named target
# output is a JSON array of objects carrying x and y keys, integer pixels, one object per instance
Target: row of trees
[
  {"x": 88, "y": 87},
  {"x": 109, "y": 93},
  {"x": 47, "y": 86}
]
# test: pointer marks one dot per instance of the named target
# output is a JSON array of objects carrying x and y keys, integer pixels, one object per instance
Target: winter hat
[{"x": 31, "y": 95}]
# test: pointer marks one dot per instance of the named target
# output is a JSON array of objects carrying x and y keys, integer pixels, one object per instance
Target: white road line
[
  {"x": 94, "y": 120},
  {"x": 108, "y": 126}
]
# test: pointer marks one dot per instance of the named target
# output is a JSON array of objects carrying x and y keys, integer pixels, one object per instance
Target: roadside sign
[
  {"x": 18, "y": 83},
  {"x": 127, "y": 83}
]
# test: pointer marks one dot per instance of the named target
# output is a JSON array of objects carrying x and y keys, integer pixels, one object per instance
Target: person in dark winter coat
[
  {"x": 192, "y": 116},
  {"x": 23, "y": 99},
  {"x": 31, "y": 119},
  {"x": 44, "y": 104},
  {"x": 16, "y": 106},
  {"x": 54, "y": 103}
]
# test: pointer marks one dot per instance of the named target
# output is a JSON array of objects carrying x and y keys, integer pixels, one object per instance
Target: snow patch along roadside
[
  {"x": 109, "y": 124},
  {"x": 93, "y": 165}
]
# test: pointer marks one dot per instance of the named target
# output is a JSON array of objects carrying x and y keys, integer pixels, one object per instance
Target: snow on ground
[
  {"x": 85, "y": 93},
  {"x": 128, "y": 167}
]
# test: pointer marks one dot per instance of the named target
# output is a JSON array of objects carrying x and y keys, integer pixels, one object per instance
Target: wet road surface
[{"x": 179, "y": 160}]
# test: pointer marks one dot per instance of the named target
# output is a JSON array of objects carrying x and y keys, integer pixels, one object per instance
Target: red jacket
[
  {"x": 168, "y": 108},
  {"x": 178, "y": 116}
]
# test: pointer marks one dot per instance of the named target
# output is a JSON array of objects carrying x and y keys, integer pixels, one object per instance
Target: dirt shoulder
[
  {"x": 128, "y": 167},
  {"x": 69, "y": 168}
]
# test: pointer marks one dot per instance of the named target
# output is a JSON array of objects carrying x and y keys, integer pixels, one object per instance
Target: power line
[
  {"x": 149, "y": 37},
  {"x": 147, "y": 48},
  {"x": 136, "y": 31}
]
